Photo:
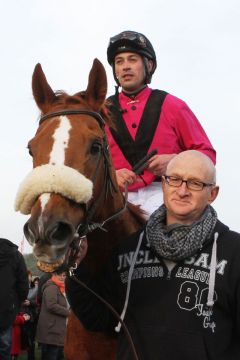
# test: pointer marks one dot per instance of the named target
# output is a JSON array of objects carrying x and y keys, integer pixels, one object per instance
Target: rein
[
  {"x": 113, "y": 311},
  {"x": 84, "y": 229}
]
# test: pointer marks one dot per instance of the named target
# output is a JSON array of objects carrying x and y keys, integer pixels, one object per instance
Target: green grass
[{"x": 23, "y": 356}]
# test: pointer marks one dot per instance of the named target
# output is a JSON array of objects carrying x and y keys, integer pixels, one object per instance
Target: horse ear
[
  {"x": 97, "y": 86},
  {"x": 42, "y": 92}
]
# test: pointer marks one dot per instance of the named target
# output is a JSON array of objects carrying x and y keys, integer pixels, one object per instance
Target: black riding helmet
[{"x": 133, "y": 42}]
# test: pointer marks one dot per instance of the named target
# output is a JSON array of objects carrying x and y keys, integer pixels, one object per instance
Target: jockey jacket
[
  {"x": 166, "y": 311},
  {"x": 168, "y": 126}
]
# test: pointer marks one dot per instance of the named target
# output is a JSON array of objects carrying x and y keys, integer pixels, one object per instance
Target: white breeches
[{"x": 149, "y": 198}]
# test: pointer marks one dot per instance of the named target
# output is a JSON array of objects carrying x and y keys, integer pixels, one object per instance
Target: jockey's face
[{"x": 130, "y": 71}]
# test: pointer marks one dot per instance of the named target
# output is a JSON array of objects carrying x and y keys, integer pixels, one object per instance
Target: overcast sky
[{"x": 198, "y": 52}]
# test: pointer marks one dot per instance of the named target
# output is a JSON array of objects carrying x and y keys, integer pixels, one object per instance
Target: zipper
[
  {"x": 168, "y": 270},
  {"x": 169, "y": 275}
]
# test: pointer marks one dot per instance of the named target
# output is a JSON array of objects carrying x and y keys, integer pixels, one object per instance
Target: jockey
[{"x": 146, "y": 119}]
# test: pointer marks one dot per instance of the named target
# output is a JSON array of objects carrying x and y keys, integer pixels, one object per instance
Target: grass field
[{"x": 23, "y": 356}]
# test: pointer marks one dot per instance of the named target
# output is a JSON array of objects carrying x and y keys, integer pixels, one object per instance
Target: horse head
[{"x": 72, "y": 172}]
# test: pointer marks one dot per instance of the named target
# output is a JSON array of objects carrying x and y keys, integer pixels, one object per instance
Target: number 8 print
[{"x": 188, "y": 295}]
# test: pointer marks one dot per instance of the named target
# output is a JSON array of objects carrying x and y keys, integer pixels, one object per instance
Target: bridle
[
  {"x": 88, "y": 226},
  {"x": 108, "y": 184}
]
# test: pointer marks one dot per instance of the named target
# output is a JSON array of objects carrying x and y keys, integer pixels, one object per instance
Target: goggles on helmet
[{"x": 129, "y": 35}]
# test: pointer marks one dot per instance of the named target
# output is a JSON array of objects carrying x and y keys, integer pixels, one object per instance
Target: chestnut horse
[{"x": 72, "y": 189}]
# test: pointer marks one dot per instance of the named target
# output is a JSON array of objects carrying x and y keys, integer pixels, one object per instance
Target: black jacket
[
  {"x": 167, "y": 314},
  {"x": 13, "y": 282}
]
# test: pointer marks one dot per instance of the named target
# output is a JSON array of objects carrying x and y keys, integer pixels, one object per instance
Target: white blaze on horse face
[
  {"x": 61, "y": 139},
  {"x": 57, "y": 155},
  {"x": 44, "y": 198}
]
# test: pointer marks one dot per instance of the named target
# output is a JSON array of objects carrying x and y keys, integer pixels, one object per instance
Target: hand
[
  {"x": 26, "y": 317},
  {"x": 158, "y": 163},
  {"x": 26, "y": 302},
  {"x": 125, "y": 176}
]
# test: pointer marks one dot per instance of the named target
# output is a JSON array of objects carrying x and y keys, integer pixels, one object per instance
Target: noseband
[{"x": 88, "y": 226}]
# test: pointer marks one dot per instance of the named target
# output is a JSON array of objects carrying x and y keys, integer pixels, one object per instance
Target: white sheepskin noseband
[{"x": 48, "y": 178}]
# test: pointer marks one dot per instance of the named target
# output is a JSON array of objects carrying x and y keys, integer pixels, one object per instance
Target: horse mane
[{"x": 137, "y": 212}]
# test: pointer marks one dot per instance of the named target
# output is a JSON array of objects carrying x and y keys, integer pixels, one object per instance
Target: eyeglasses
[{"x": 191, "y": 184}]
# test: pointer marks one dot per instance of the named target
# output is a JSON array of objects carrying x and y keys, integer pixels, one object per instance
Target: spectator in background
[
  {"x": 43, "y": 278},
  {"x": 30, "y": 307},
  {"x": 14, "y": 285},
  {"x": 36, "y": 282},
  {"x": 53, "y": 317},
  {"x": 18, "y": 342}
]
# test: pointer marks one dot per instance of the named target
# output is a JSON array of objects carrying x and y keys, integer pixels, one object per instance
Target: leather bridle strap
[
  {"x": 88, "y": 226},
  {"x": 94, "y": 114}
]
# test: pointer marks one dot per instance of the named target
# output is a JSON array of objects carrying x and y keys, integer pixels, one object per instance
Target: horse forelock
[
  {"x": 63, "y": 100},
  {"x": 77, "y": 101}
]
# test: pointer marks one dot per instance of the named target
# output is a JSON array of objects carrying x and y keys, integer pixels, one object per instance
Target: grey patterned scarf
[{"x": 177, "y": 241}]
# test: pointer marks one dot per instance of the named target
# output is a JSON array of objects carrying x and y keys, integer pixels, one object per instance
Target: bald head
[
  {"x": 185, "y": 203},
  {"x": 196, "y": 162}
]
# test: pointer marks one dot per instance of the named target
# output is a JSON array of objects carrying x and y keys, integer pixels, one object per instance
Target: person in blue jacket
[{"x": 176, "y": 283}]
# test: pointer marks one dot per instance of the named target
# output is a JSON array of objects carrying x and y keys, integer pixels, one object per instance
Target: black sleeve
[
  {"x": 21, "y": 277},
  {"x": 93, "y": 314}
]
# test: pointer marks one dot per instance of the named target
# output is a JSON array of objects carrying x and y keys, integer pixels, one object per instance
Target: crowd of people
[
  {"x": 176, "y": 282},
  {"x": 36, "y": 309}
]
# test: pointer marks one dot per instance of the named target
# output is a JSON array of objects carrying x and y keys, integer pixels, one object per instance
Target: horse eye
[{"x": 96, "y": 148}]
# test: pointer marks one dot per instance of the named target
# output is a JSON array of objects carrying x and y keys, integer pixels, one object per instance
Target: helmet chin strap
[{"x": 116, "y": 89}]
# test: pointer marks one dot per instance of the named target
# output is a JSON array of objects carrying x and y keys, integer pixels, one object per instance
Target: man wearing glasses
[
  {"x": 146, "y": 119},
  {"x": 176, "y": 283}
]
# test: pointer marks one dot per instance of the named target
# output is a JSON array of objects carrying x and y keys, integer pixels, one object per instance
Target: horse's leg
[
  {"x": 85, "y": 345},
  {"x": 75, "y": 346}
]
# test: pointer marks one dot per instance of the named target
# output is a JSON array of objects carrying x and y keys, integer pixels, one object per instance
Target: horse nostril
[
  {"x": 29, "y": 234},
  {"x": 61, "y": 231},
  {"x": 58, "y": 233}
]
